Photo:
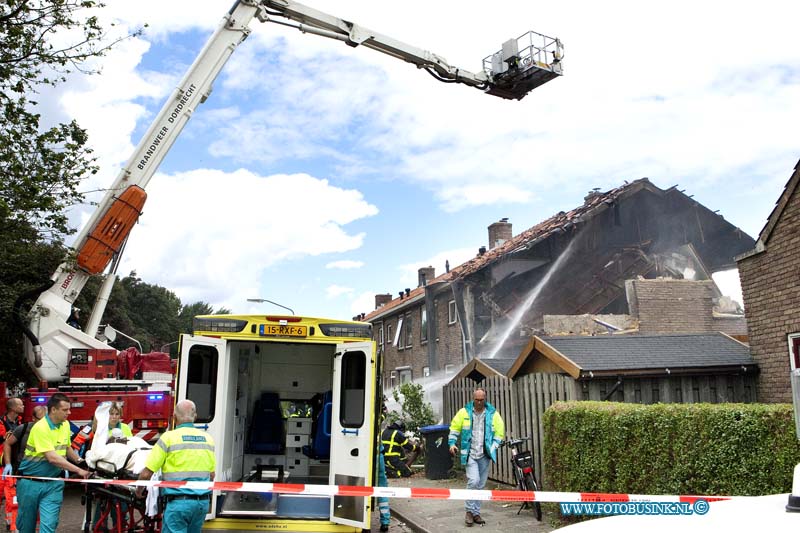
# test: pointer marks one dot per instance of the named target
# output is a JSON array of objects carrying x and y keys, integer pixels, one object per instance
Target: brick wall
[
  {"x": 672, "y": 306},
  {"x": 448, "y": 345},
  {"x": 731, "y": 325},
  {"x": 771, "y": 291}
]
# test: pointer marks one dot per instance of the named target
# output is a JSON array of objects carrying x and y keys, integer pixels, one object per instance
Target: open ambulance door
[
  {"x": 201, "y": 372},
  {"x": 352, "y": 441}
]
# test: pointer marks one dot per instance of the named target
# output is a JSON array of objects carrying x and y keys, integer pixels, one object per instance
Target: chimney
[
  {"x": 499, "y": 232},
  {"x": 447, "y": 265},
  {"x": 591, "y": 194},
  {"x": 382, "y": 299},
  {"x": 401, "y": 293},
  {"x": 425, "y": 274},
  {"x": 481, "y": 250},
  {"x": 408, "y": 292}
]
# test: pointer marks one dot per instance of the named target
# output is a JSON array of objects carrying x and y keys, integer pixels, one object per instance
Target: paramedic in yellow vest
[
  {"x": 481, "y": 430},
  {"x": 46, "y": 454},
  {"x": 183, "y": 454}
]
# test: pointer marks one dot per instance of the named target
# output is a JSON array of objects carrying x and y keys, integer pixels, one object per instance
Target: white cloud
[
  {"x": 345, "y": 264},
  {"x": 209, "y": 235},
  {"x": 662, "y": 107},
  {"x": 708, "y": 100},
  {"x": 363, "y": 303},
  {"x": 409, "y": 271},
  {"x": 334, "y": 291}
]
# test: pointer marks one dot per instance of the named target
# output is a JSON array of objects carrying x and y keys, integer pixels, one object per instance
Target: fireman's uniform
[
  {"x": 184, "y": 454},
  {"x": 8, "y": 488},
  {"x": 395, "y": 447}
]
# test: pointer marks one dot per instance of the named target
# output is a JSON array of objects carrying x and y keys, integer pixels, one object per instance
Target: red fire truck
[{"x": 142, "y": 383}]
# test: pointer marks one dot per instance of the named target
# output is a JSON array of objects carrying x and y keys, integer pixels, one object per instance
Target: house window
[
  {"x": 409, "y": 322},
  {"x": 426, "y": 371},
  {"x": 423, "y": 325},
  {"x": 392, "y": 379},
  {"x": 380, "y": 335},
  {"x": 397, "y": 334},
  {"x": 449, "y": 369},
  {"x": 389, "y": 331},
  {"x": 404, "y": 374},
  {"x": 794, "y": 350},
  {"x": 451, "y": 312}
]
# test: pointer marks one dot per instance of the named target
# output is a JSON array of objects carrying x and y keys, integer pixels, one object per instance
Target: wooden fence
[{"x": 522, "y": 402}]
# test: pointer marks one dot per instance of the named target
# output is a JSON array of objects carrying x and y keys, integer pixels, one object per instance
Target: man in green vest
[
  {"x": 184, "y": 454},
  {"x": 481, "y": 430},
  {"x": 46, "y": 454}
]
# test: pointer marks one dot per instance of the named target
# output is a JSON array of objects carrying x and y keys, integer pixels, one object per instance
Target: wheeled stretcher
[{"x": 114, "y": 508}]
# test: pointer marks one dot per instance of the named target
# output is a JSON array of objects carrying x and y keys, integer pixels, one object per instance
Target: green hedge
[{"x": 713, "y": 449}]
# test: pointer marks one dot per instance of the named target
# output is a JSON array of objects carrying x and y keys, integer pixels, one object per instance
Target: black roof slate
[
  {"x": 631, "y": 352},
  {"x": 501, "y": 365}
]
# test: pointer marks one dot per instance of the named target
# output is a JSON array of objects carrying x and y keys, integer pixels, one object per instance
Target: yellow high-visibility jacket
[{"x": 493, "y": 434}]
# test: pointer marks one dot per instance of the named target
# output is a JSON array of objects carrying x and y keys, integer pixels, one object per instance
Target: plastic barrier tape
[{"x": 396, "y": 492}]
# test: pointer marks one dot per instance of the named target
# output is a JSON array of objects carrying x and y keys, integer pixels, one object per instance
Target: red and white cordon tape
[{"x": 398, "y": 492}]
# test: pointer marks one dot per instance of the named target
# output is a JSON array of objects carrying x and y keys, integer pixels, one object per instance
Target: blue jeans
[
  {"x": 477, "y": 474},
  {"x": 39, "y": 497}
]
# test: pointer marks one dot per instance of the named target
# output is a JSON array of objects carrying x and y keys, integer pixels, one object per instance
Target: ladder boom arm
[{"x": 510, "y": 73}]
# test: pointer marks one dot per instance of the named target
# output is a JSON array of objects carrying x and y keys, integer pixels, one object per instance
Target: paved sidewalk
[{"x": 440, "y": 516}]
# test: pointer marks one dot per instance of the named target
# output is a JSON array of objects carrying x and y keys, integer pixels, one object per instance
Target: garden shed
[{"x": 668, "y": 368}]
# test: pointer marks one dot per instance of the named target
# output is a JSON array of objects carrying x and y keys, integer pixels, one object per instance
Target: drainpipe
[{"x": 466, "y": 334}]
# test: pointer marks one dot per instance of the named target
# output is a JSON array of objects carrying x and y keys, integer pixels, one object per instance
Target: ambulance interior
[{"x": 276, "y": 424}]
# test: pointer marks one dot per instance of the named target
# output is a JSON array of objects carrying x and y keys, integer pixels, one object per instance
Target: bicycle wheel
[{"x": 530, "y": 484}]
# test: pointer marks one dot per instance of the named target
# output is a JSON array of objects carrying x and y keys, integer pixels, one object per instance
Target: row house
[{"x": 591, "y": 261}]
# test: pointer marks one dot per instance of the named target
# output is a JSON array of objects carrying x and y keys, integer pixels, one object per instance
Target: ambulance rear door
[
  {"x": 351, "y": 430},
  {"x": 202, "y": 376}
]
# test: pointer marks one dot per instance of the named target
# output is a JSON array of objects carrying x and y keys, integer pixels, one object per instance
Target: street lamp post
[
  {"x": 264, "y": 300},
  {"x": 168, "y": 344}
]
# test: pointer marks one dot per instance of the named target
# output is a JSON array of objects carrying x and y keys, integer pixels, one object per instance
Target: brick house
[
  {"x": 582, "y": 259},
  {"x": 771, "y": 291}
]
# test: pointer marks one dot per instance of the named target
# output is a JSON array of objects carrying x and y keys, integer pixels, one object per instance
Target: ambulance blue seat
[
  {"x": 266, "y": 429},
  {"x": 320, "y": 447}
]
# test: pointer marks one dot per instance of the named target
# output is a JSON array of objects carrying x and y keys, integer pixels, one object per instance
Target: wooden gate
[{"x": 521, "y": 405}]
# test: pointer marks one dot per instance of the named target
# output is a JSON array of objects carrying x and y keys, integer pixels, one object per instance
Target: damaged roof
[{"x": 562, "y": 222}]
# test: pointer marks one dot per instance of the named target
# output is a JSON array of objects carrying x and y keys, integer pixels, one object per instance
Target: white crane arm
[{"x": 521, "y": 65}]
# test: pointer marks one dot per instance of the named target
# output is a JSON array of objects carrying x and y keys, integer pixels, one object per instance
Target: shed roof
[
  {"x": 640, "y": 354},
  {"x": 477, "y": 369}
]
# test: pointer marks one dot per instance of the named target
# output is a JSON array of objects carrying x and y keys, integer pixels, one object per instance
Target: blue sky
[{"x": 317, "y": 175}]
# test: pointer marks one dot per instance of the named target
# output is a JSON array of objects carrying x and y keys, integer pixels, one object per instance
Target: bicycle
[{"x": 522, "y": 465}]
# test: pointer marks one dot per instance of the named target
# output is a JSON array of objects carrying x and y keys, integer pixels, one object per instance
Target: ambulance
[{"x": 286, "y": 399}]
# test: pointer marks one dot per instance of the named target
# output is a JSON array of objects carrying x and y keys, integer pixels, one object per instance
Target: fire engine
[
  {"x": 143, "y": 384},
  {"x": 83, "y": 366}
]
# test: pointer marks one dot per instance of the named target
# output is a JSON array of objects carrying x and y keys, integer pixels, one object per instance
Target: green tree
[
  {"x": 41, "y": 42},
  {"x": 415, "y": 411},
  {"x": 149, "y": 313}
]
